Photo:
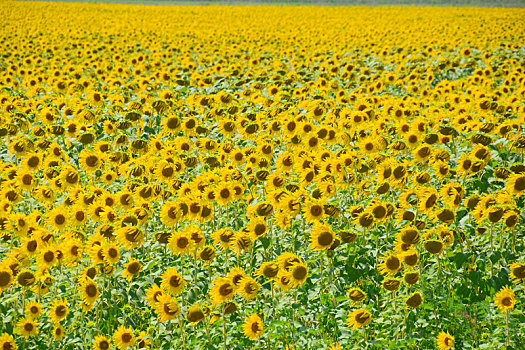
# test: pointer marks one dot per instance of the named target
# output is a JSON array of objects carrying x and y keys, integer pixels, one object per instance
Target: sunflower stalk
[{"x": 507, "y": 340}]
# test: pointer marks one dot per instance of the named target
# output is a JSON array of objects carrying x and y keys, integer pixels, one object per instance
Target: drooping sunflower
[
  {"x": 359, "y": 318},
  {"x": 195, "y": 314},
  {"x": 444, "y": 341},
  {"x": 505, "y": 299},
  {"x": 356, "y": 295},
  {"x": 173, "y": 282},
  {"x": 58, "y": 310},
  {"x": 123, "y": 337},
  {"x": 27, "y": 327},
  {"x": 253, "y": 327},
  {"x": 414, "y": 300},
  {"x": 6, "y": 277}
]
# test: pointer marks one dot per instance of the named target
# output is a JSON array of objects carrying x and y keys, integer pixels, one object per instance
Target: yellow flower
[
  {"x": 27, "y": 327},
  {"x": 248, "y": 287},
  {"x": 89, "y": 290},
  {"x": 505, "y": 299},
  {"x": 517, "y": 272},
  {"x": 195, "y": 313},
  {"x": 173, "y": 282},
  {"x": 444, "y": 341},
  {"x": 123, "y": 337},
  {"x": 101, "y": 343},
  {"x": 253, "y": 327},
  {"x": 322, "y": 236},
  {"x": 7, "y": 342},
  {"x": 222, "y": 289},
  {"x": 391, "y": 264},
  {"x": 59, "y": 310},
  {"x": 167, "y": 308},
  {"x": 33, "y": 309},
  {"x": 58, "y": 332},
  {"x": 131, "y": 269},
  {"x": 358, "y": 318}
]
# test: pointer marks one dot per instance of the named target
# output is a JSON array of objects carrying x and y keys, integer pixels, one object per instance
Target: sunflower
[
  {"x": 26, "y": 278},
  {"x": 257, "y": 227},
  {"x": 516, "y": 184},
  {"x": 101, "y": 343},
  {"x": 181, "y": 243},
  {"x": 414, "y": 300},
  {"x": 358, "y": 318},
  {"x": 57, "y": 218},
  {"x": 391, "y": 284},
  {"x": 143, "y": 341},
  {"x": 167, "y": 308},
  {"x": 131, "y": 269},
  {"x": 268, "y": 269},
  {"x": 224, "y": 194},
  {"x": 58, "y": 332},
  {"x": 111, "y": 253},
  {"x": 7, "y": 342},
  {"x": 298, "y": 274},
  {"x": 248, "y": 287},
  {"x": 130, "y": 237},
  {"x": 253, "y": 327},
  {"x": 517, "y": 272},
  {"x": 505, "y": 299},
  {"x": 171, "y": 125},
  {"x": 6, "y": 277},
  {"x": 356, "y": 295},
  {"x": 27, "y": 327},
  {"x": 433, "y": 246},
  {"x": 235, "y": 275},
  {"x": 444, "y": 341},
  {"x": 314, "y": 210},
  {"x": 322, "y": 236},
  {"x": 195, "y": 314},
  {"x": 207, "y": 254},
  {"x": 390, "y": 265},
  {"x": 59, "y": 310},
  {"x": 153, "y": 295},
  {"x": 33, "y": 309},
  {"x": 124, "y": 337},
  {"x": 173, "y": 282},
  {"x": 222, "y": 289},
  {"x": 409, "y": 235},
  {"x": 89, "y": 290}
]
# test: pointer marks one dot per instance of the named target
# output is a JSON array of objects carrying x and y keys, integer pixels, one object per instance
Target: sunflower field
[{"x": 261, "y": 177}]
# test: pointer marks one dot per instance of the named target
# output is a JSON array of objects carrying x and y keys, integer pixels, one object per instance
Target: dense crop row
[{"x": 264, "y": 177}]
